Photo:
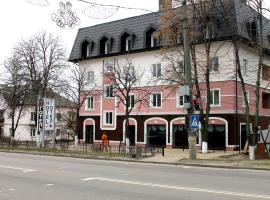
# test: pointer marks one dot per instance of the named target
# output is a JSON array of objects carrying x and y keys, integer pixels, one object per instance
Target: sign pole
[{"x": 39, "y": 122}]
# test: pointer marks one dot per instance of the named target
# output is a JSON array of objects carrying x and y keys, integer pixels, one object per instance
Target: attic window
[
  {"x": 125, "y": 42},
  {"x": 252, "y": 30},
  {"x": 105, "y": 46},
  {"x": 86, "y": 49},
  {"x": 151, "y": 40}
]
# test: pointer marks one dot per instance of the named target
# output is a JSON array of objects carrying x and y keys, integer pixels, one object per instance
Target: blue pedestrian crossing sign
[{"x": 194, "y": 121}]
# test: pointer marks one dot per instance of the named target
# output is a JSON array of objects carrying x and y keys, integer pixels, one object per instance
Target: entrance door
[
  {"x": 131, "y": 129},
  {"x": 89, "y": 131},
  {"x": 156, "y": 135},
  {"x": 180, "y": 136},
  {"x": 243, "y": 132},
  {"x": 216, "y": 137}
]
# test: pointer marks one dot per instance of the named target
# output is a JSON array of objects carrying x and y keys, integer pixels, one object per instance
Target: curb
[{"x": 66, "y": 155}]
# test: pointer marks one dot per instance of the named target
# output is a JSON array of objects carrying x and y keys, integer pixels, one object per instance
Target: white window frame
[
  {"x": 111, "y": 86},
  {"x": 156, "y": 70},
  {"x": 153, "y": 40},
  {"x": 87, "y": 103},
  {"x": 105, "y": 117},
  {"x": 152, "y": 100},
  {"x": 178, "y": 101},
  {"x": 128, "y": 43},
  {"x": 107, "y": 47},
  {"x": 90, "y": 77},
  {"x": 219, "y": 100},
  {"x": 31, "y": 133},
  {"x": 130, "y": 100},
  {"x": 107, "y": 63},
  {"x": 88, "y": 50}
]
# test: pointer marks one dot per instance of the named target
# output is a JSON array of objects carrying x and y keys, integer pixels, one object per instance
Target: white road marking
[
  {"x": 50, "y": 184},
  {"x": 178, "y": 187},
  {"x": 24, "y": 170},
  {"x": 186, "y": 167},
  {"x": 11, "y": 189}
]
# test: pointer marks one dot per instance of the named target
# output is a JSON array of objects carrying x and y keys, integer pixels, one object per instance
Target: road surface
[{"x": 32, "y": 177}]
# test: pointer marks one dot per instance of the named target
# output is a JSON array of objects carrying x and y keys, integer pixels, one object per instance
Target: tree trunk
[
  {"x": 243, "y": 86},
  {"x": 76, "y": 134},
  {"x": 127, "y": 141}
]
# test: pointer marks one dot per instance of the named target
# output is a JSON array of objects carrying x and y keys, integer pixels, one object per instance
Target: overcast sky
[{"x": 19, "y": 19}]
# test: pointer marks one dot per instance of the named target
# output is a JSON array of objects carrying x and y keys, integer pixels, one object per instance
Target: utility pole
[{"x": 188, "y": 83}]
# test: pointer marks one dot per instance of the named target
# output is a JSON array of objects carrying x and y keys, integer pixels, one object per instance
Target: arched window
[{"x": 151, "y": 40}]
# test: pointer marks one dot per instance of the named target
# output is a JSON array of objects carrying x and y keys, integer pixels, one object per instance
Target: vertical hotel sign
[
  {"x": 40, "y": 117},
  {"x": 49, "y": 113}
]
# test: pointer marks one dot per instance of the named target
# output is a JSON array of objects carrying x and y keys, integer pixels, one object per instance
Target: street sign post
[{"x": 194, "y": 122}]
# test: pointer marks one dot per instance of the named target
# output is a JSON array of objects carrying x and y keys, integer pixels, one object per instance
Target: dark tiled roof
[
  {"x": 134, "y": 25},
  {"x": 239, "y": 13}
]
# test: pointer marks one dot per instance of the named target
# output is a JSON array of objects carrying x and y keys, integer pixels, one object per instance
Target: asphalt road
[{"x": 31, "y": 177}]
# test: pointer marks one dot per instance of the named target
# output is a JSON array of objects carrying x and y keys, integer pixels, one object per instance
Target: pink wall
[{"x": 227, "y": 103}]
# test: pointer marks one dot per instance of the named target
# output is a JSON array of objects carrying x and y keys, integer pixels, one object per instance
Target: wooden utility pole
[{"x": 188, "y": 82}]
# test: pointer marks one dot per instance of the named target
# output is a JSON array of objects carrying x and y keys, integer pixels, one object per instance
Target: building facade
[
  {"x": 27, "y": 125},
  {"x": 160, "y": 121}
]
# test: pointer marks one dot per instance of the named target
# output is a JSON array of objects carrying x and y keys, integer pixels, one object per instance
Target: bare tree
[
  {"x": 15, "y": 92},
  {"x": 43, "y": 59},
  {"x": 256, "y": 31},
  {"x": 78, "y": 85},
  {"x": 126, "y": 79},
  {"x": 203, "y": 16}
]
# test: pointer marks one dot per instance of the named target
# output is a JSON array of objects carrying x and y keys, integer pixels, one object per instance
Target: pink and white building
[{"x": 162, "y": 120}]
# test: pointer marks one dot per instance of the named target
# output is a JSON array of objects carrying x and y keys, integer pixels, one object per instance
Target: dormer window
[
  {"x": 128, "y": 44},
  {"x": 151, "y": 40},
  {"x": 86, "y": 49},
  {"x": 105, "y": 46},
  {"x": 125, "y": 42},
  {"x": 252, "y": 30}
]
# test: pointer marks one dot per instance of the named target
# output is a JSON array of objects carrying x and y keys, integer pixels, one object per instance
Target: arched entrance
[
  {"x": 132, "y": 131},
  {"x": 179, "y": 133},
  {"x": 89, "y": 131},
  {"x": 156, "y": 132},
  {"x": 217, "y": 133}
]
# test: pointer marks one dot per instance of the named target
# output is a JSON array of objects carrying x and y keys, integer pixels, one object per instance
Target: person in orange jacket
[{"x": 105, "y": 141}]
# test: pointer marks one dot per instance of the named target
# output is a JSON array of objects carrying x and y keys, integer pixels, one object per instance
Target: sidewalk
[{"x": 229, "y": 159}]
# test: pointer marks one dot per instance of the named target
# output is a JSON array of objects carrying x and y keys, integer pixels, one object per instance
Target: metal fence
[{"x": 97, "y": 149}]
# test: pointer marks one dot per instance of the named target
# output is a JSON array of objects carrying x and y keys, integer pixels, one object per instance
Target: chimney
[{"x": 165, "y": 5}]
